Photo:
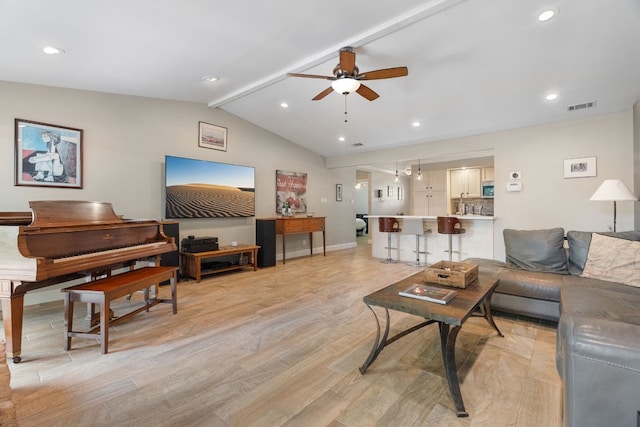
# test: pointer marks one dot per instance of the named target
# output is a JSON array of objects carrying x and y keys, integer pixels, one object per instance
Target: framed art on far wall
[
  {"x": 212, "y": 136},
  {"x": 580, "y": 168},
  {"x": 338, "y": 192},
  {"x": 291, "y": 188},
  {"x": 47, "y": 155}
]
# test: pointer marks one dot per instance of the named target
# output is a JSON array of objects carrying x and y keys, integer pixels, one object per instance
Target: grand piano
[{"x": 59, "y": 241}]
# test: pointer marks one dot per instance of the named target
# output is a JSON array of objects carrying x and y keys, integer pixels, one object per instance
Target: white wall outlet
[
  {"x": 304, "y": 243},
  {"x": 323, "y": 200}
]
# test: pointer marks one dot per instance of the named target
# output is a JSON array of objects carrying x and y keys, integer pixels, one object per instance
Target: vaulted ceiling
[{"x": 475, "y": 66}]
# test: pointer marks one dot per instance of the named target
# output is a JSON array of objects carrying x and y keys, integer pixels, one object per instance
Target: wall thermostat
[
  {"x": 514, "y": 186},
  {"x": 515, "y": 175}
]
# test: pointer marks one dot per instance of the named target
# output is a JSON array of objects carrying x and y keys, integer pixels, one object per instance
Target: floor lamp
[{"x": 613, "y": 190}]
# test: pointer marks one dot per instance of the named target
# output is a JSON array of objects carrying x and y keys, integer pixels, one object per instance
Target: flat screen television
[{"x": 205, "y": 189}]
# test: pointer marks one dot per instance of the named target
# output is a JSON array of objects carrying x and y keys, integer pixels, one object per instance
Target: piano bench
[{"x": 103, "y": 291}]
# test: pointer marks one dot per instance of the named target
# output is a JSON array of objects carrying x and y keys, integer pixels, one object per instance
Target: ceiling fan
[{"x": 347, "y": 77}]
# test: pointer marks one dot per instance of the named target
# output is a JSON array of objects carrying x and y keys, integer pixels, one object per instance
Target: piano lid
[{"x": 16, "y": 218}]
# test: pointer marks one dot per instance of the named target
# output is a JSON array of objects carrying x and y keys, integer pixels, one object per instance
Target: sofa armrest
[{"x": 600, "y": 368}]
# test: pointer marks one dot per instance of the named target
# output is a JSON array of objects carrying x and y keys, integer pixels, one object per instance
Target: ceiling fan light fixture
[{"x": 345, "y": 85}]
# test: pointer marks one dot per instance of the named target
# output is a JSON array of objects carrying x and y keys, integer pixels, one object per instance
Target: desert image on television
[
  {"x": 208, "y": 201},
  {"x": 202, "y": 189}
]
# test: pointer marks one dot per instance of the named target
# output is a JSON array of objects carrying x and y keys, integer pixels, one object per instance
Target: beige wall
[
  {"x": 547, "y": 198},
  {"x": 126, "y": 139}
]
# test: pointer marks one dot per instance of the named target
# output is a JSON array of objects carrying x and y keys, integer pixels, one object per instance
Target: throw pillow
[
  {"x": 536, "y": 250},
  {"x": 613, "y": 260},
  {"x": 579, "y": 246}
]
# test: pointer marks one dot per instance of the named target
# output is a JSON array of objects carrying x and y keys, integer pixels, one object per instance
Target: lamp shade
[
  {"x": 613, "y": 190},
  {"x": 345, "y": 85}
]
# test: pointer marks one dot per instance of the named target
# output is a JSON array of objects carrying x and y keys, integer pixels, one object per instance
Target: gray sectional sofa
[{"x": 591, "y": 286}]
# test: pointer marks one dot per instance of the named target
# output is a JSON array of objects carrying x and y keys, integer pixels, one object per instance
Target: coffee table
[{"x": 474, "y": 300}]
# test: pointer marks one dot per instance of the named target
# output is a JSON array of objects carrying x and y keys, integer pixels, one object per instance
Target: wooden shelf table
[
  {"x": 192, "y": 261},
  {"x": 298, "y": 225}
]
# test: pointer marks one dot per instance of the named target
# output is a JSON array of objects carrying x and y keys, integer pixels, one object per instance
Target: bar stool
[
  {"x": 389, "y": 225},
  {"x": 415, "y": 226},
  {"x": 450, "y": 225}
]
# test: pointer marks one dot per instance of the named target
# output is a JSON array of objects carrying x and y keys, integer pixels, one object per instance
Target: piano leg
[{"x": 12, "y": 310}]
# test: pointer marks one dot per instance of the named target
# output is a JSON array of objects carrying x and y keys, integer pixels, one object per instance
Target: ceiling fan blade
[
  {"x": 386, "y": 73},
  {"x": 347, "y": 61},
  {"x": 367, "y": 92},
  {"x": 322, "y": 94},
  {"x": 311, "y": 76}
]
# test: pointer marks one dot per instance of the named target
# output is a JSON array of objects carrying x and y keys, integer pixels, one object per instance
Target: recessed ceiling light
[
  {"x": 551, "y": 96},
  {"x": 341, "y": 139},
  {"x": 210, "y": 79},
  {"x": 546, "y": 15},
  {"x": 50, "y": 50},
  {"x": 416, "y": 124},
  {"x": 284, "y": 105}
]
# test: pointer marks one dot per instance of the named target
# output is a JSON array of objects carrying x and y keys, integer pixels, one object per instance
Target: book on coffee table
[{"x": 429, "y": 293}]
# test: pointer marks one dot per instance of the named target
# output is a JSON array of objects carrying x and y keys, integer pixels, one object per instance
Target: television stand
[{"x": 192, "y": 262}]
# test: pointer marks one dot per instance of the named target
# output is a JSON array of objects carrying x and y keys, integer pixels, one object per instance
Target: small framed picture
[
  {"x": 399, "y": 193},
  {"x": 338, "y": 192},
  {"x": 580, "y": 167},
  {"x": 212, "y": 136},
  {"x": 48, "y": 155},
  {"x": 389, "y": 191}
]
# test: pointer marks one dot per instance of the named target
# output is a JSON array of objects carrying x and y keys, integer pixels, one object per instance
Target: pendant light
[
  {"x": 419, "y": 171},
  {"x": 396, "y": 179}
]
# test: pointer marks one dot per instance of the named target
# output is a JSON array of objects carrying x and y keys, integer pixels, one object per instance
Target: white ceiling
[{"x": 475, "y": 66}]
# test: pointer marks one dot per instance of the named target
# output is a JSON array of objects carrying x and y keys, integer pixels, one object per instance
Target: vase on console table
[{"x": 286, "y": 209}]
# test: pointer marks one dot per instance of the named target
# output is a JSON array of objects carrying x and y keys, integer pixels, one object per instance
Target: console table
[
  {"x": 298, "y": 225},
  {"x": 192, "y": 261}
]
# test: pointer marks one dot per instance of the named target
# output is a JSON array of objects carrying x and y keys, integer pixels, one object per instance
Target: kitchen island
[{"x": 476, "y": 242}]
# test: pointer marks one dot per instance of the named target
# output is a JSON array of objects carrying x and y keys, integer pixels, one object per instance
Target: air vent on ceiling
[
  {"x": 357, "y": 144},
  {"x": 582, "y": 106}
]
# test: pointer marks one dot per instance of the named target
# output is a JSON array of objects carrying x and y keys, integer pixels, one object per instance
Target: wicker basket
[{"x": 454, "y": 274}]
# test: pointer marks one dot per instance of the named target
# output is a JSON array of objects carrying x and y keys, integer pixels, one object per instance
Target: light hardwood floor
[{"x": 282, "y": 347}]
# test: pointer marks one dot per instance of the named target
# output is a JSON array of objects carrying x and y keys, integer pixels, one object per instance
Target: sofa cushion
[
  {"x": 530, "y": 284},
  {"x": 536, "y": 250},
  {"x": 522, "y": 283},
  {"x": 614, "y": 260},
  {"x": 579, "y": 242},
  {"x": 602, "y": 303}
]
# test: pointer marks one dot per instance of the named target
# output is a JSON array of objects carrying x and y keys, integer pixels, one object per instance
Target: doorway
[{"x": 363, "y": 206}]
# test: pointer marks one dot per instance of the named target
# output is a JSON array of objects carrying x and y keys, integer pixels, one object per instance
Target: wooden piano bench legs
[{"x": 103, "y": 291}]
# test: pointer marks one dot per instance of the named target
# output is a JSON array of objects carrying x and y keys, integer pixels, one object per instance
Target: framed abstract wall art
[{"x": 47, "y": 155}]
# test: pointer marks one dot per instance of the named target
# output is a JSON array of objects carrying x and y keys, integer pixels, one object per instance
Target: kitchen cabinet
[
  {"x": 487, "y": 174},
  {"x": 466, "y": 182},
  {"x": 430, "y": 193},
  {"x": 431, "y": 181},
  {"x": 429, "y": 204}
]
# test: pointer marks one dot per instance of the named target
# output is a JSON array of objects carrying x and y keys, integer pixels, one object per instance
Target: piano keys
[{"x": 58, "y": 241}]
